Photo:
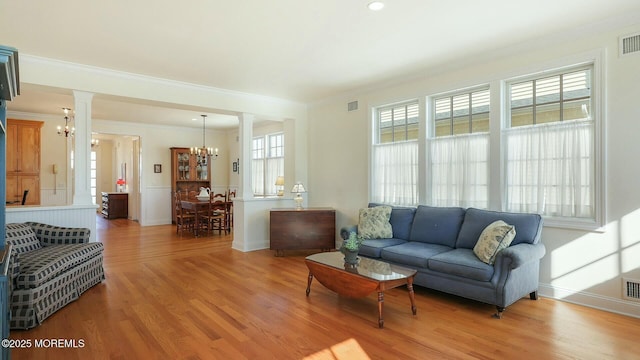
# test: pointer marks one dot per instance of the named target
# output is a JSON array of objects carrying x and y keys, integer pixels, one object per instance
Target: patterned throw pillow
[
  {"x": 21, "y": 237},
  {"x": 495, "y": 237},
  {"x": 374, "y": 223}
]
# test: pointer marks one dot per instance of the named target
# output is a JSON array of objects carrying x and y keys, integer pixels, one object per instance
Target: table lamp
[
  {"x": 120, "y": 184},
  {"x": 280, "y": 185},
  {"x": 298, "y": 189}
]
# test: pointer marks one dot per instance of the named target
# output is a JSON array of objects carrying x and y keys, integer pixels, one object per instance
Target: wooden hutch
[{"x": 187, "y": 175}]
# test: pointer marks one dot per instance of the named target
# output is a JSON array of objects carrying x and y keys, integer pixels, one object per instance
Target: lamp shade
[
  {"x": 280, "y": 181},
  {"x": 298, "y": 188}
]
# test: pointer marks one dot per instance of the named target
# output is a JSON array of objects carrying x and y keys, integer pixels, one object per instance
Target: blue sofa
[{"x": 438, "y": 242}]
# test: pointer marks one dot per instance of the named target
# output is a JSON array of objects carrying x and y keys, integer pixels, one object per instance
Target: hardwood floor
[{"x": 172, "y": 297}]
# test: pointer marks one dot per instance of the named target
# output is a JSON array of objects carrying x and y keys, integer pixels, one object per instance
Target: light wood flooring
[{"x": 172, "y": 297}]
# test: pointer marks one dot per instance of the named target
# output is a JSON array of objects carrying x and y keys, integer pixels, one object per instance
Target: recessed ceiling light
[{"x": 376, "y": 5}]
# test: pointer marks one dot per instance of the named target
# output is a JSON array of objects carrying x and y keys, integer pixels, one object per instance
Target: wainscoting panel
[
  {"x": 156, "y": 206},
  {"x": 69, "y": 216}
]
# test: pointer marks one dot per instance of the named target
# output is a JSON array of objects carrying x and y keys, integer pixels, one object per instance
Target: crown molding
[{"x": 128, "y": 76}]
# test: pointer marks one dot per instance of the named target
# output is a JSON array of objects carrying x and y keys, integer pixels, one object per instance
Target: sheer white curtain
[
  {"x": 459, "y": 170},
  {"x": 275, "y": 168},
  {"x": 395, "y": 173},
  {"x": 264, "y": 174},
  {"x": 257, "y": 176},
  {"x": 550, "y": 169}
]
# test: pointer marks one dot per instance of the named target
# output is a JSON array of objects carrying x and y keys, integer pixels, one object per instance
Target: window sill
[{"x": 574, "y": 224}]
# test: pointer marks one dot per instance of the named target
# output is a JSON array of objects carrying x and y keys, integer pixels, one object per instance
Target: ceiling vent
[
  {"x": 629, "y": 44},
  {"x": 352, "y": 106},
  {"x": 631, "y": 289}
]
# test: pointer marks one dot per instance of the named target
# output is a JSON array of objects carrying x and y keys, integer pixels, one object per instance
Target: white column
[
  {"x": 245, "y": 141},
  {"x": 290, "y": 177},
  {"x": 242, "y": 205},
  {"x": 82, "y": 148}
]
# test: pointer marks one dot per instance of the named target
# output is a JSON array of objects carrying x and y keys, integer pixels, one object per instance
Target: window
[
  {"x": 268, "y": 163},
  {"x": 395, "y": 155},
  {"x": 459, "y": 150},
  {"x": 550, "y": 145},
  {"x": 462, "y": 113}
]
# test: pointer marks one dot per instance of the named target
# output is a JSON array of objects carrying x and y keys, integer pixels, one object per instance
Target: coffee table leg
[
  {"x": 414, "y": 310},
  {"x": 309, "y": 283},
  {"x": 380, "y": 305}
]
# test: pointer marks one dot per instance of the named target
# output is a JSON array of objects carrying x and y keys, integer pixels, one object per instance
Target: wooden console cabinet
[
  {"x": 292, "y": 229},
  {"x": 115, "y": 205}
]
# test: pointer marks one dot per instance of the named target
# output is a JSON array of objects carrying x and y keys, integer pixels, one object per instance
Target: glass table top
[{"x": 371, "y": 268}]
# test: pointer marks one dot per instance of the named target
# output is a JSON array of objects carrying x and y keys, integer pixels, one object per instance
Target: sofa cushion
[
  {"x": 463, "y": 263},
  {"x": 529, "y": 226},
  {"x": 437, "y": 225},
  {"x": 412, "y": 253},
  {"x": 495, "y": 237},
  {"x": 22, "y": 238},
  {"x": 373, "y": 247},
  {"x": 374, "y": 223},
  {"x": 58, "y": 235},
  {"x": 38, "y": 266},
  {"x": 401, "y": 220}
]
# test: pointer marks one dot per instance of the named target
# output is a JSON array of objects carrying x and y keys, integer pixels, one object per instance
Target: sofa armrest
[
  {"x": 14, "y": 270},
  {"x": 517, "y": 255},
  {"x": 346, "y": 230},
  {"x": 58, "y": 235}
]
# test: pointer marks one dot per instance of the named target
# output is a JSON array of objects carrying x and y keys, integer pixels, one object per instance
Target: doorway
[{"x": 117, "y": 168}]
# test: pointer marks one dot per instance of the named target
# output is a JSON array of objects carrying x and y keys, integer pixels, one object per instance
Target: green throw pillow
[
  {"x": 374, "y": 223},
  {"x": 495, "y": 237}
]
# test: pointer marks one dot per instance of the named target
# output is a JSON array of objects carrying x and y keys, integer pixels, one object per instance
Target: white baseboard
[{"x": 618, "y": 306}]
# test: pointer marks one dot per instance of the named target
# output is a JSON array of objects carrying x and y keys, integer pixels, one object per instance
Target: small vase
[{"x": 350, "y": 256}]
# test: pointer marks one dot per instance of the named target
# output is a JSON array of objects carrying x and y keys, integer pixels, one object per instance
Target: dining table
[{"x": 202, "y": 206}]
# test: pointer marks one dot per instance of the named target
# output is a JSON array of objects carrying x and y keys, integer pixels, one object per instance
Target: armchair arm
[
  {"x": 346, "y": 230},
  {"x": 58, "y": 235},
  {"x": 517, "y": 255},
  {"x": 13, "y": 266}
]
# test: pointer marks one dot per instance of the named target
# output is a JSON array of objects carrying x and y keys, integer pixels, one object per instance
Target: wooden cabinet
[
  {"x": 115, "y": 205},
  {"x": 187, "y": 175},
  {"x": 295, "y": 229},
  {"x": 23, "y": 161}
]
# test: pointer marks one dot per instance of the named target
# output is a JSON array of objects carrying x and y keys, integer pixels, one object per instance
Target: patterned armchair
[{"x": 50, "y": 266}]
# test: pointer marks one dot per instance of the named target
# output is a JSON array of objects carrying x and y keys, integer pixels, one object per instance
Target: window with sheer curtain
[
  {"x": 459, "y": 150},
  {"x": 267, "y": 163},
  {"x": 550, "y": 151},
  {"x": 395, "y": 155}
]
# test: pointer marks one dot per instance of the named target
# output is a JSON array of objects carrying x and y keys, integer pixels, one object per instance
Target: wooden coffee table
[{"x": 359, "y": 281}]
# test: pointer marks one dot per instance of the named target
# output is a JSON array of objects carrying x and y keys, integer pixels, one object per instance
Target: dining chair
[
  {"x": 216, "y": 217},
  {"x": 231, "y": 194},
  {"x": 183, "y": 219},
  {"x": 24, "y": 196}
]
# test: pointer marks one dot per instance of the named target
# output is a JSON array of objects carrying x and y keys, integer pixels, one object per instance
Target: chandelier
[
  {"x": 67, "y": 131},
  {"x": 202, "y": 153}
]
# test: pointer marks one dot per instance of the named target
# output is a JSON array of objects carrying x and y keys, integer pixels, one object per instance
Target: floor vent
[
  {"x": 352, "y": 106},
  {"x": 631, "y": 289},
  {"x": 630, "y": 44}
]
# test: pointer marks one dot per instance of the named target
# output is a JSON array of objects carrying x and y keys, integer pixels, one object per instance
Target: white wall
[{"x": 580, "y": 266}]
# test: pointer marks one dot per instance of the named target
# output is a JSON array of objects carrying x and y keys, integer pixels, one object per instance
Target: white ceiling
[{"x": 292, "y": 49}]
